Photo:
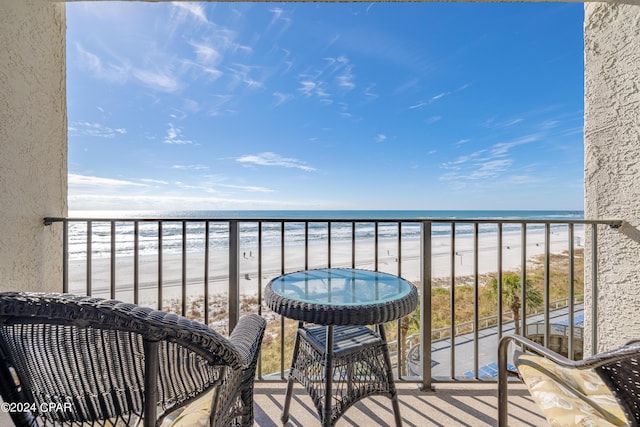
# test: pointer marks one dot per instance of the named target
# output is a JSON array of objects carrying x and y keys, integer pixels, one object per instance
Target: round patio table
[{"x": 338, "y": 349}]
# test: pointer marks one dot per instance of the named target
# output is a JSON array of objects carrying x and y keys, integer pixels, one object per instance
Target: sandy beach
[{"x": 294, "y": 259}]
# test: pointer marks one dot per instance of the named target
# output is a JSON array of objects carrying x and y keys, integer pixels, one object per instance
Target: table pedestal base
[{"x": 351, "y": 364}]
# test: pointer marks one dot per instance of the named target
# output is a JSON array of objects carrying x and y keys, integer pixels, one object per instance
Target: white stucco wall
[
  {"x": 612, "y": 165},
  {"x": 33, "y": 143}
]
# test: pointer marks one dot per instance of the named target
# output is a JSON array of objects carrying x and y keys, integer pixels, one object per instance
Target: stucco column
[
  {"x": 33, "y": 143},
  {"x": 612, "y": 168}
]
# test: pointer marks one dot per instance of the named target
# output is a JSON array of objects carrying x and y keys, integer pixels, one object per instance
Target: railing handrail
[{"x": 615, "y": 223}]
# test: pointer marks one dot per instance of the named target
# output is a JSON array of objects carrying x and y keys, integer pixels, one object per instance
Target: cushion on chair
[
  {"x": 551, "y": 387},
  {"x": 196, "y": 414}
]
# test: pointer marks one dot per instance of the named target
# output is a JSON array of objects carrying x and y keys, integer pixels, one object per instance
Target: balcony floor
[
  {"x": 459, "y": 404},
  {"x": 452, "y": 404}
]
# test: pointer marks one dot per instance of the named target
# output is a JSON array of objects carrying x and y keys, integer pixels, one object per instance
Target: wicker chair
[
  {"x": 70, "y": 360},
  {"x": 602, "y": 390}
]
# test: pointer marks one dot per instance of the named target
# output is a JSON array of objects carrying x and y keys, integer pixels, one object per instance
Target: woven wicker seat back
[
  {"x": 621, "y": 373},
  {"x": 79, "y": 359}
]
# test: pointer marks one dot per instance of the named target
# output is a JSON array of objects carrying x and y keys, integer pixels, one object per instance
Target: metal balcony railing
[{"x": 180, "y": 263}]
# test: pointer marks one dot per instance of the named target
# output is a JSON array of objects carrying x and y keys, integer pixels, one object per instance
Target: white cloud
[
  {"x": 486, "y": 164},
  {"x": 162, "y": 202},
  {"x": 248, "y": 188},
  {"x": 162, "y": 81},
  {"x": 206, "y": 54},
  {"x": 335, "y": 76},
  {"x": 108, "y": 72},
  {"x": 443, "y": 94},
  {"x": 121, "y": 72},
  {"x": 495, "y": 124},
  {"x": 307, "y": 87},
  {"x": 279, "y": 18},
  {"x": 381, "y": 137},
  {"x": 273, "y": 159},
  {"x": 549, "y": 124},
  {"x": 345, "y": 79},
  {"x": 241, "y": 73},
  {"x": 154, "y": 181},
  {"x": 94, "y": 181},
  {"x": 174, "y": 136},
  {"x": 190, "y": 167},
  {"x": 369, "y": 94},
  {"x": 501, "y": 148},
  {"x": 461, "y": 160},
  {"x": 211, "y": 52},
  {"x": 219, "y": 105},
  {"x": 194, "y": 10},
  {"x": 282, "y": 98},
  {"x": 491, "y": 169},
  {"x": 417, "y": 105},
  {"x": 94, "y": 129}
]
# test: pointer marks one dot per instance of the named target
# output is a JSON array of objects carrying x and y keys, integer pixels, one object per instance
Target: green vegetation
[
  {"x": 511, "y": 293},
  {"x": 464, "y": 305}
]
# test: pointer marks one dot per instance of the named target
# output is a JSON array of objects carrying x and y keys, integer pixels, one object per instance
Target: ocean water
[{"x": 150, "y": 237}]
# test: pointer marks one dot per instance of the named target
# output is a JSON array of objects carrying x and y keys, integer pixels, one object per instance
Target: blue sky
[{"x": 325, "y": 105}]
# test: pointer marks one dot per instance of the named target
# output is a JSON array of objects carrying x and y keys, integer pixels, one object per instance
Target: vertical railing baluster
[
  {"x": 376, "y": 246},
  {"x": 259, "y": 268},
  {"x": 282, "y": 269},
  {"x": 425, "y": 304},
  {"x": 523, "y": 281},
  {"x": 234, "y": 274},
  {"x": 306, "y": 245},
  {"x": 136, "y": 261},
  {"x": 89, "y": 256},
  {"x": 329, "y": 244},
  {"x": 160, "y": 267},
  {"x": 594, "y": 289},
  {"x": 452, "y": 302},
  {"x": 499, "y": 279},
  {"x": 353, "y": 244},
  {"x": 570, "y": 296},
  {"x": 112, "y": 280},
  {"x": 547, "y": 284},
  {"x": 184, "y": 268},
  {"x": 207, "y": 231},
  {"x": 399, "y": 321},
  {"x": 259, "y": 255},
  {"x": 282, "y": 247},
  {"x": 65, "y": 256},
  {"x": 400, "y": 249},
  {"x": 476, "y": 303}
]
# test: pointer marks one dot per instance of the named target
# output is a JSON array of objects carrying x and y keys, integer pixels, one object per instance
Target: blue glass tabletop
[{"x": 341, "y": 287}]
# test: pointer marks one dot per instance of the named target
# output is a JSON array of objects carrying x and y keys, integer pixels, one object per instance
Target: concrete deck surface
[{"x": 452, "y": 404}]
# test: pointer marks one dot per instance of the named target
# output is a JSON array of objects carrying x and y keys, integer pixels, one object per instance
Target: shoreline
[{"x": 318, "y": 257}]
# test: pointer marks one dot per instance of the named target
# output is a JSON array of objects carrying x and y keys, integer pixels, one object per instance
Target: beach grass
[
  {"x": 274, "y": 356},
  {"x": 441, "y": 311}
]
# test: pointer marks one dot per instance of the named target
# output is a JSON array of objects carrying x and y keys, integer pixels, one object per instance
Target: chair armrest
[
  {"x": 247, "y": 336},
  {"x": 502, "y": 369},
  {"x": 537, "y": 348},
  {"x": 592, "y": 362}
]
